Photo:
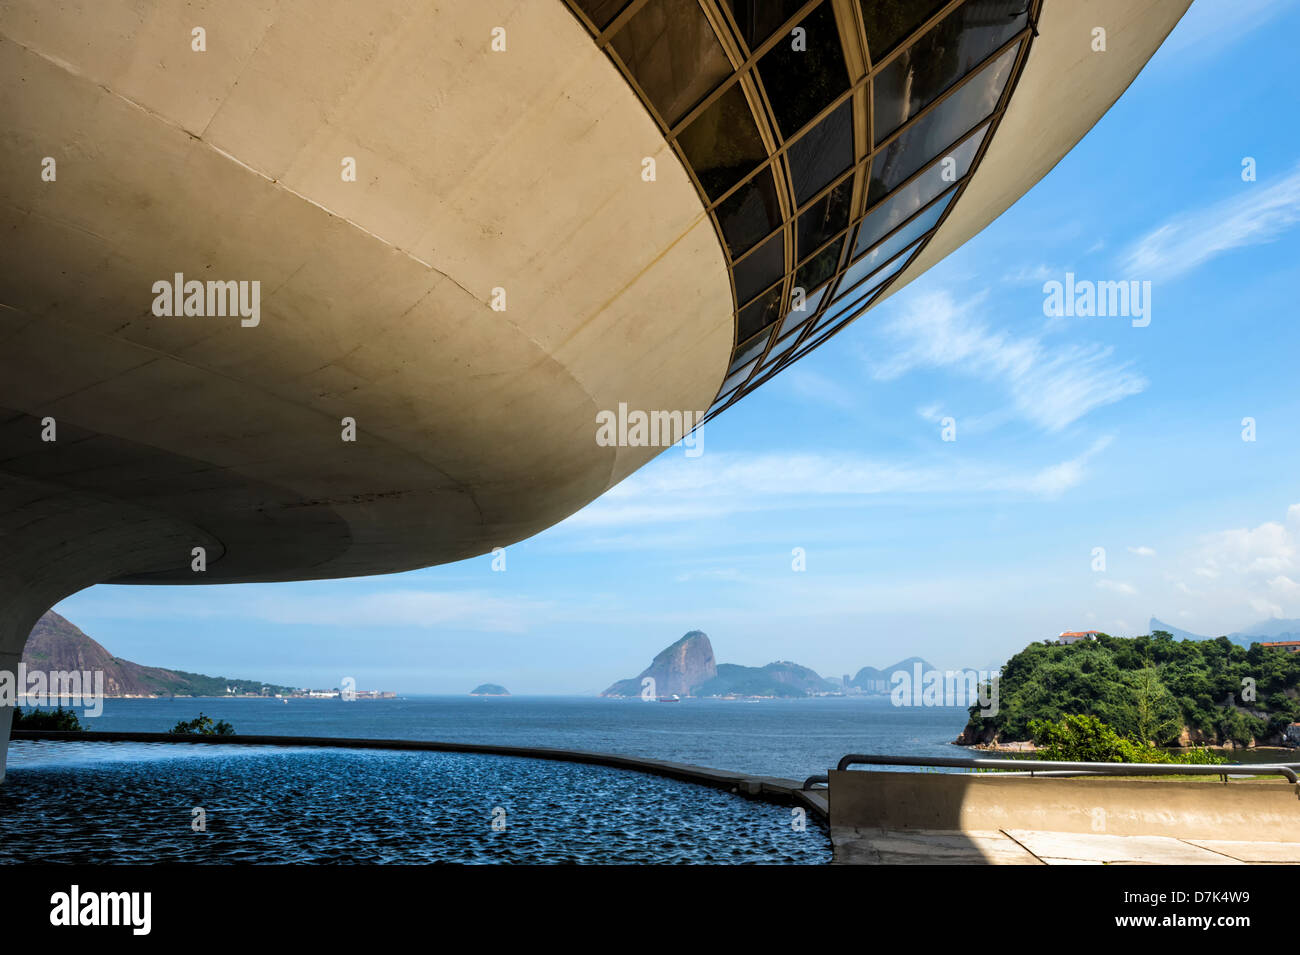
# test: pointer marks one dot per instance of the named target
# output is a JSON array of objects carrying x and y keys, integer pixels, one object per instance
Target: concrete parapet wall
[{"x": 1192, "y": 809}]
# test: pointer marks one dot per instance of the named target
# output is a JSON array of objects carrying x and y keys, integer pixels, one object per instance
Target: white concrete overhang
[{"x": 476, "y": 170}]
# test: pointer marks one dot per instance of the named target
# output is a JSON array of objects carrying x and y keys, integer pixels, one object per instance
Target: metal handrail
[
  {"x": 1059, "y": 767},
  {"x": 813, "y": 780}
]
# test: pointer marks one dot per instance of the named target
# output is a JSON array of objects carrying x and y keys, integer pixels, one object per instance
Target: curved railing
[{"x": 1059, "y": 768}]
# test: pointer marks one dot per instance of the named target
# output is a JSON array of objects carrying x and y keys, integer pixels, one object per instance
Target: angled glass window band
[
  {"x": 759, "y": 19},
  {"x": 671, "y": 50},
  {"x": 759, "y": 314},
  {"x": 890, "y": 22},
  {"x": 749, "y": 213},
  {"x": 722, "y": 143},
  {"x": 930, "y": 183},
  {"x": 602, "y": 12},
  {"x": 822, "y": 153},
  {"x": 780, "y": 349},
  {"x": 920, "y": 224},
  {"x": 848, "y": 299},
  {"x": 751, "y": 349},
  {"x": 805, "y": 70},
  {"x": 796, "y": 317},
  {"x": 760, "y": 269},
  {"x": 819, "y": 268},
  {"x": 824, "y": 218},
  {"x": 738, "y": 376},
  {"x": 943, "y": 55},
  {"x": 932, "y": 133}
]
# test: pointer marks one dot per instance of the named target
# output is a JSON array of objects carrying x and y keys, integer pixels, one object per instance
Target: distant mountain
[
  {"x": 687, "y": 668},
  {"x": 489, "y": 689},
  {"x": 1277, "y": 629},
  {"x": 55, "y": 644},
  {"x": 871, "y": 680},
  {"x": 676, "y": 669},
  {"x": 1266, "y": 630},
  {"x": 1155, "y": 625},
  {"x": 783, "y": 678}
]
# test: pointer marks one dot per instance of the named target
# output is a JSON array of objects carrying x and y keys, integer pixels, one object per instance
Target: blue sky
[{"x": 1072, "y": 434}]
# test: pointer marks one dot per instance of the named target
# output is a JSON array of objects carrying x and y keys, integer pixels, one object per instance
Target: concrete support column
[
  {"x": 8, "y": 664},
  {"x": 55, "y": 542}
]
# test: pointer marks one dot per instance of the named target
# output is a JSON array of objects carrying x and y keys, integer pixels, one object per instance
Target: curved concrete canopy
[{"x": 476, "y": 170}]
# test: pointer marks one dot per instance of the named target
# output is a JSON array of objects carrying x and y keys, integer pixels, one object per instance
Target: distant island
[
  {"x": 1153, "y": 688},
  {"x": 489, "y": 689},
  {"x": 56, "y": 644},
  {"x": 687, "y": 668}
]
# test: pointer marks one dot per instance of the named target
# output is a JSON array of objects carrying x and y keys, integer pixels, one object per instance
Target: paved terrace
[{"x": 891, "y": 818}]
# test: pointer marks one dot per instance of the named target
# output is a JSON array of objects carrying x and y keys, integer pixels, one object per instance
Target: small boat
[{"x": 670, "y": 699}]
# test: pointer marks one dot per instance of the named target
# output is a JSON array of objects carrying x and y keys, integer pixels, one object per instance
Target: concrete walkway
[{"x": 1031, "y": 847}]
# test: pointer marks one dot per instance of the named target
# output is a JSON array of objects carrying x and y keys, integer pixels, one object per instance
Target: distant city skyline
[{"x": 1072, "y": 433}]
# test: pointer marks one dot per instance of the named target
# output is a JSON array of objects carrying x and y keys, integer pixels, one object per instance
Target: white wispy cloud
[
  {"x": 467, "y": 609},
  {"x": 1142, "y": 551},
  {"x": 1208, "y": 29},
  {"x": 1244, "y": 570},
  {"x": 1254, "y": 214},
  {"x": 718, "y": 484},
  {"x": 1052, "y": 386},
  {"x": 1116, "y": 586},
  {"x": 1032, "y": 275},
  {"x": 819, "y": 389}
]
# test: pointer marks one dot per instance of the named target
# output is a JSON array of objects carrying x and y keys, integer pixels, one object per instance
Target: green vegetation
[
  {"x": 203, "y": 726},
  {"x": 1088, "y": 739},
  {"x": 1148, "y": 689},
  {"x": 59, "y": 719},
  {"x": 196, "y": 684}
]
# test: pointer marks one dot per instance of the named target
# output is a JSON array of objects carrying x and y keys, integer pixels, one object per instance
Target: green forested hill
[{"x": 1149, "y": 688}]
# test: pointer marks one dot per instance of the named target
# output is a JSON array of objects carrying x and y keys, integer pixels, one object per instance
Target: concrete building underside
[{"x": 499, "y": 271}]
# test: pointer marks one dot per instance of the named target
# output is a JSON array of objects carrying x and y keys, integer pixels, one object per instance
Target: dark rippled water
[{"x": 133, "y": 803}]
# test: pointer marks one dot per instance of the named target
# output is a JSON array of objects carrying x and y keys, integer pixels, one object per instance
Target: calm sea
[{"x": 792, "y": 738}]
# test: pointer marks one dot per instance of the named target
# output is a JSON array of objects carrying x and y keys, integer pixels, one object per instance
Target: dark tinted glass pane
[
  {"x": 937, "y": 129},
  {"x": 602, "y": 11},
  {"x": 819, "y": 268},
  {"x": 670, "y": 48},
  {"x": 800, "y": 83},
  {"x": 748, "y": 351},
  {"x": 759, "y": 19},
  {"x": 737, "y": 377},
  {"x": 821, "y": 155},
  {"x": 919, "y": 191},
  {"x": 722, "y": 144},
  {"x": 796, "y": 317},
  {"x": 849, "y": 304},
  {"x": 890, "y": 22},
  {"x": 946, "y": 53},
  {"x": 826, "y": 217},
  {"x": 762, "y": 312},
  {"x": 760, "y": 268},
  {"x": 778, "y": 350},
  {"x": 889, "y": 248},
  {"x": 919, "y": 225},
  {"x": 749, "y": 213}
]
